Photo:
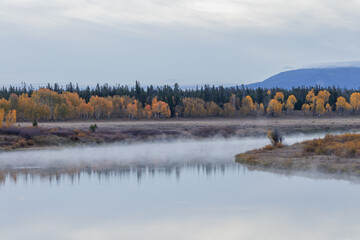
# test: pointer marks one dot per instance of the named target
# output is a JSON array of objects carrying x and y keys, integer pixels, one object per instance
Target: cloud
[{"x": 207, "y": 14}]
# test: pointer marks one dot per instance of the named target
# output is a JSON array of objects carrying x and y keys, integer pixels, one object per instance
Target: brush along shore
[
  {"x": 52, "y": 134},
  {"x": 335, "y": 154}
]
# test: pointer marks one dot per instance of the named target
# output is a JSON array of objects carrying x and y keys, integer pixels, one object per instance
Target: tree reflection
[{"x": 75, "y": 173}]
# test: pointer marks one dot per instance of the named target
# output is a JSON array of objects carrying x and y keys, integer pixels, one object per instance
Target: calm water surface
[{"x": 168, "y": 190}]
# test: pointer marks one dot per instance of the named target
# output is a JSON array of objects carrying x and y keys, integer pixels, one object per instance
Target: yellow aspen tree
[
  {"x": 232, "y": 100},
  {"x": 108, "y": 107},
  {"x": 261, "y": 109},
  {"x": 14, "y": 101},
  {"x": 320, "y": 109},
  {"x": 247, "y": 105},
  {"x": 13, "y": 116},
  {"x": 279, "y": 96},
  {"x": 155, "y": 107},
  {"x": 328, "y": 108},
  {"x": 355, "y": 101},
  {"x": 324, "y": 95},
  {"x": 10, "y": 118},
  {"x": 2, "y": 115},
  {"x": 306, "y": 108},
  {"x": 229, "y": 110},
  {"x": 275, "y": 107},
  {"x": 103, "y": 107},
  {"x": 148, "y": 112},
  {"x": 5, "y": 104},
  {"x": 311, "y": 100},
  {"x": 46, "y": 97},
  {"x": 341, "y": 105},
  {"x": 290, "y": 103},
  {"x": 165, "y": 110},
  {"x": 212, "y": 109},
  {"x": 132, "y": 109},
  {"x": 85, "y": 110}
]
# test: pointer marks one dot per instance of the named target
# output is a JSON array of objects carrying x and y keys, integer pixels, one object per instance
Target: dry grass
[
  {"x": 339, "y": 155},
  {"x": 346, "y": 145}
]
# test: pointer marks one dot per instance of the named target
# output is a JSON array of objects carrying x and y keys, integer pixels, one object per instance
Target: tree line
[{"x": 70, "y": 102}]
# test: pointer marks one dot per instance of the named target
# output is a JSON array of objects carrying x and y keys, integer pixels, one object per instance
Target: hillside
[{"x": 348, "y": 77}]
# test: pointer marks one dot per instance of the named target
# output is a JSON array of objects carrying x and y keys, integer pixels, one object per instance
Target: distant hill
[{"x": 344, "y": 77}]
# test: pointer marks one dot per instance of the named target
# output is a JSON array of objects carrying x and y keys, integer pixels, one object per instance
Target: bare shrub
[
  {"x": 275, "y": 137},
  {"x": 27, "y": 133},
  {"x": 61, "y": 132},
  {"x": 213, "y": 131}
]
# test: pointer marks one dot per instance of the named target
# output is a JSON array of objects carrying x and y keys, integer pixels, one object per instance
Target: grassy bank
[
  {"x": 13, "y": 138},
  {"x": 339, "y": 154},
  {"x": 49, "y": 134}
]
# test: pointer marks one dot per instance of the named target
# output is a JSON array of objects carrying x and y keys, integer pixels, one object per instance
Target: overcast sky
[{"x": 166, "y": 41}]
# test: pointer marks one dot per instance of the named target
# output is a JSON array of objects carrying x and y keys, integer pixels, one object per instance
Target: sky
[{"x": 220, "y": 42}]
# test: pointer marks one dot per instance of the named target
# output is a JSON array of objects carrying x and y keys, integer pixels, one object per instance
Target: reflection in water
[
  {"x": 125, "y": 159},
  {"x": 176, "y": 190},
  {"x": 74, "y": 175}
]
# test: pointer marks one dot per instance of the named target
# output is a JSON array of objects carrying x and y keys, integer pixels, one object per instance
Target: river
[{"x": 183, "y": 189}]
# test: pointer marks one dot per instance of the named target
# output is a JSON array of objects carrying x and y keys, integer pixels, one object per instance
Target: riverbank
[
  {"x": 51, "y": 134},
  {"x": 338, "y": 155}
]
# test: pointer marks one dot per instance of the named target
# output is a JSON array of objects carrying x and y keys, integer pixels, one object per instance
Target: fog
[{"x": 159, "y": 153}]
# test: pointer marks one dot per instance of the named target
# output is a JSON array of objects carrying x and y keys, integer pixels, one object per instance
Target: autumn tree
[
  {"x": 311, "y": 101},
  {"x": 85, "y": 110},
  {"x": 120, "y": 105},
  {"x": 290, "y": 103},
  {"x": 279, "y": 96},
  {"x": 324, "y": 95},
  {"x": 320, "y": 109},
  {"x": 10, "y": 118},
  {"x": 306, "y": 108},
  {"x": 132, "y": 109},
  {"x": 212, "y": 109},
  {"x": 355, "y": 101},
  {"x": 234, "y": 101},
  {"x": 261, "y": 109},
  {"x": 274, "y": 108},
  {"x": 2, "y": 115},
  {"x": 229, "y": 110},
  {"x": 49, "y": 99},
  {"x": 276, "y": 104},
  {"x": 328, "y": 108},
  {"x": 102, "y": 106},
  {"x": 5, "y": 104},
  {"x": 342, "y": 105},
  {"x": 14, "y": 101},
  {"x": 165, "y": 110},
  {"x": 155, "y": 108},
  {"x": 247, "y": 105},
  {"x": 148, "y": 112},
  {"x": 194, "y": 107}
]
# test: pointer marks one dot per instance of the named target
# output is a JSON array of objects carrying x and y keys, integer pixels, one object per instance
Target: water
[{"x": 168, "y": 190}]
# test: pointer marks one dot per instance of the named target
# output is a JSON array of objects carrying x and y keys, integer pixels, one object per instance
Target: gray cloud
[{"x": 157, "y": 42}]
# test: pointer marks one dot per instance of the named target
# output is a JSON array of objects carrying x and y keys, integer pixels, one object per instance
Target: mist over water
[
  {"x": 159, "y": 153},
  {"x": 183, "y": 189}
]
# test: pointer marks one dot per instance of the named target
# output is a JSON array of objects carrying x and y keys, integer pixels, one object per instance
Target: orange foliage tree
[
  {"x": 10, "y": 118},
  {"x": 355, "y": 102},
  {"x": 290, "y": 103},
  {"x": 2, "y": 115},
  {"x": 342, "y": 105},
  {"x": 247, "y": 106}
]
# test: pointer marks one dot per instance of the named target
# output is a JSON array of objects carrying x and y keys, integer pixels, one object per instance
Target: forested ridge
[{"x": 53, "y": 102}]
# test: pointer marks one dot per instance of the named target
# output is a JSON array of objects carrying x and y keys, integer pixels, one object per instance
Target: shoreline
[
  {"x": 336, "y": 158},
  {"x": 62, "y": 134}
]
